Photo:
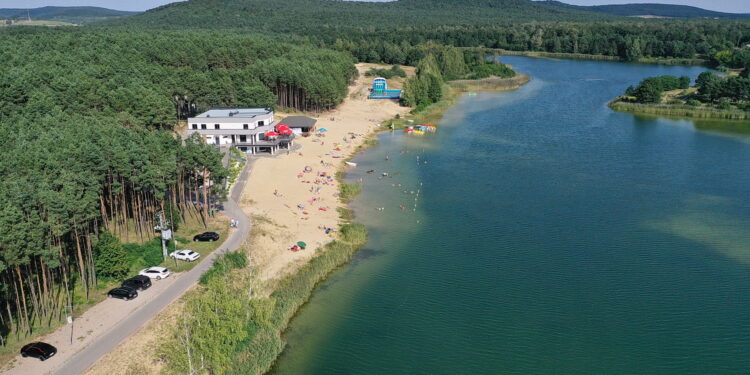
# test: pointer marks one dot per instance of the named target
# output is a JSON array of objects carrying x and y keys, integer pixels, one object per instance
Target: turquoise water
[{"x": 550, "y": 236}]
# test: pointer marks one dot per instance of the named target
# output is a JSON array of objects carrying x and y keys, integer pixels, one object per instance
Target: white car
[
  {"x": 157, "y": 273},
  {"x": 188, "y": 255}
]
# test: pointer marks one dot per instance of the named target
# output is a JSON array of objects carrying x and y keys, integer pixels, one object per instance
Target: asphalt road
[{"x": 85, "y": 358}]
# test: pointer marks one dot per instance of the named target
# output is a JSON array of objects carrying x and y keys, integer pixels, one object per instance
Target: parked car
[
  {"x": 157, "y": 273},
  {"x": 139, "y": 282},
  {"x": 122, "y": 293},
  {"x": 188, "y": 255},
  {"x": 40, "y": 350},
  {"x": 206, "y": 236}
]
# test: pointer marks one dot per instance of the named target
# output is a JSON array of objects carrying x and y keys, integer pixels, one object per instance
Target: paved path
[{"x": 107, "y": 342}]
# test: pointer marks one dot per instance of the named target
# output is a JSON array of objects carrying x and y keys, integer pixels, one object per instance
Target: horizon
[{"x": 728, "y": 6}]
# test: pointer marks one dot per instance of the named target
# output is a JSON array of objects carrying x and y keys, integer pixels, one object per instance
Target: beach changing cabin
[{"x": 380, "y": 90}]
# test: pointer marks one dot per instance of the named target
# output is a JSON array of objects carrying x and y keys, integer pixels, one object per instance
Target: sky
[{"x": 732, "y": 6}]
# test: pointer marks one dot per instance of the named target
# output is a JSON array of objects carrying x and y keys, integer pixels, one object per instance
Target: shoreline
[
  {"x": 583, "y": 56},
  {"x": 679, "y": 111},
  {"x": 283, "y": 281},
  {"x": 336, "y": 256}
]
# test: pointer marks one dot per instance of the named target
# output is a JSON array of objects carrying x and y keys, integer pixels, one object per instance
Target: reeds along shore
[
  {"x": 583, "y": 56},
  {"x": 679, "y": 111}
]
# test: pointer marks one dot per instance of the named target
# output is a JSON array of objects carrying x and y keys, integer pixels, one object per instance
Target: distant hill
[
  {"x": 648, "y": 10},
  {"x": 285, "y": 15},
  {"x": 77, "y": 15}
]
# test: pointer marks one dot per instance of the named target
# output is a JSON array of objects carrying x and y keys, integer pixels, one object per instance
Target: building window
[
  {"x": 245, "y": 126},
  {"x": 243, "y": 138},
  {"x": 216, "y": 126},
  {"x": 203, "y": 126},
  {"x": 195, "y": 126},
  {"x": 261, "y": 123}
]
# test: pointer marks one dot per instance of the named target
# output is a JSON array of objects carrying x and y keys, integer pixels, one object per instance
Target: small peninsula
[{"x": 712, "y": 96}]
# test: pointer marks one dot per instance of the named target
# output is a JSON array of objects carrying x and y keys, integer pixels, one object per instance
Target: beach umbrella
[
  {"x": 281, "y": 126},
  {"x": 285, "y": 131},
  {"x": 301, "y": 244},
  {"x": 272, "y": 134}
]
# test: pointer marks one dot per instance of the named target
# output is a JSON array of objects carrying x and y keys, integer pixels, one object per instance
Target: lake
[{"x": 543, "y": 233}]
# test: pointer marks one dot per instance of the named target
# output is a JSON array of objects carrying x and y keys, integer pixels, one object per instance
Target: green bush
[
  {"x": 223, "y": 265},
  {"x": 146, "y": 255},
  {"x": 490, "y": 69},
  {"x": 694, "y": 103},
  {"x": 110, "y": 257},
  {"x": 394, "y": 71},
  {"x": 236, "y": 259}
]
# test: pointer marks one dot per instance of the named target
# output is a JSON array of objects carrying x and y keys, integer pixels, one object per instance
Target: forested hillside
[
  {"x": 89, "y": 148},
  {"x": 77, "y": 15},
  {"x": 315, "y": 15},
  {"x": 657, "y": 10},
  {"x": 385, "y": 32}
]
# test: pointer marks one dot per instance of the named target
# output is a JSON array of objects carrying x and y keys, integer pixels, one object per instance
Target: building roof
[
  {"x": 299, "y": 122},
  {"x": 235, "y": 112}
]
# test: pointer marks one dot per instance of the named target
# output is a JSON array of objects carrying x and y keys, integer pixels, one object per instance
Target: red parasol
[
  {"x": 271, "y": 134},
  {"x": 286, "y": 131}
]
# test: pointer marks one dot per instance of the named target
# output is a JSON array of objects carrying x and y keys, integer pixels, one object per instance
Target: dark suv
[
  {"x": 139, "y": 282},
  {"x": 206, "y": 236},
  {"x": 40, "y": 350},
  {"x": 122, "y": 293}
]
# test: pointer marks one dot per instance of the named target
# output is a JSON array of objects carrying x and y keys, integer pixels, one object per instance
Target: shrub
[
  {"x": 694, "y": 103},
  {"x": 110, "y": 257},
  {"x": 223, "y": 265},
  {"x": 394, "y": 71},
  {"x": 490, "y": 69}
]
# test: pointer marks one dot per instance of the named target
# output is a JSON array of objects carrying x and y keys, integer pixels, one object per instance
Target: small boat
[{"x": 351, "y": 164}]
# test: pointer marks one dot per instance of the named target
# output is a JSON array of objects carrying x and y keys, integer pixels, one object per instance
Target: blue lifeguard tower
[{"x": 380, "y": 90}]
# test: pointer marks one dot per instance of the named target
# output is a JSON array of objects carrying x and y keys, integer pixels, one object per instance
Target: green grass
[
  {"x": 184, "y": 238},
  {"x": 349, "y": 191}
]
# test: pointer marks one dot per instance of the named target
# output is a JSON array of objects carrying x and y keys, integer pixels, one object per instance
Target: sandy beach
[{"x": 293, "y": 197}]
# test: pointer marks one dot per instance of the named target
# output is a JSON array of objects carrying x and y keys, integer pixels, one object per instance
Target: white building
[{"x": 244, "y": 128}]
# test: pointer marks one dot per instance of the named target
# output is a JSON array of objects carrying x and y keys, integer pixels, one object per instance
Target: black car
[
  {"x": 122, "y": 293},
  {"x": 139, "y": 282},
  {"x": 40, "y": 350},
  {"x": 206, "y": 236}
]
